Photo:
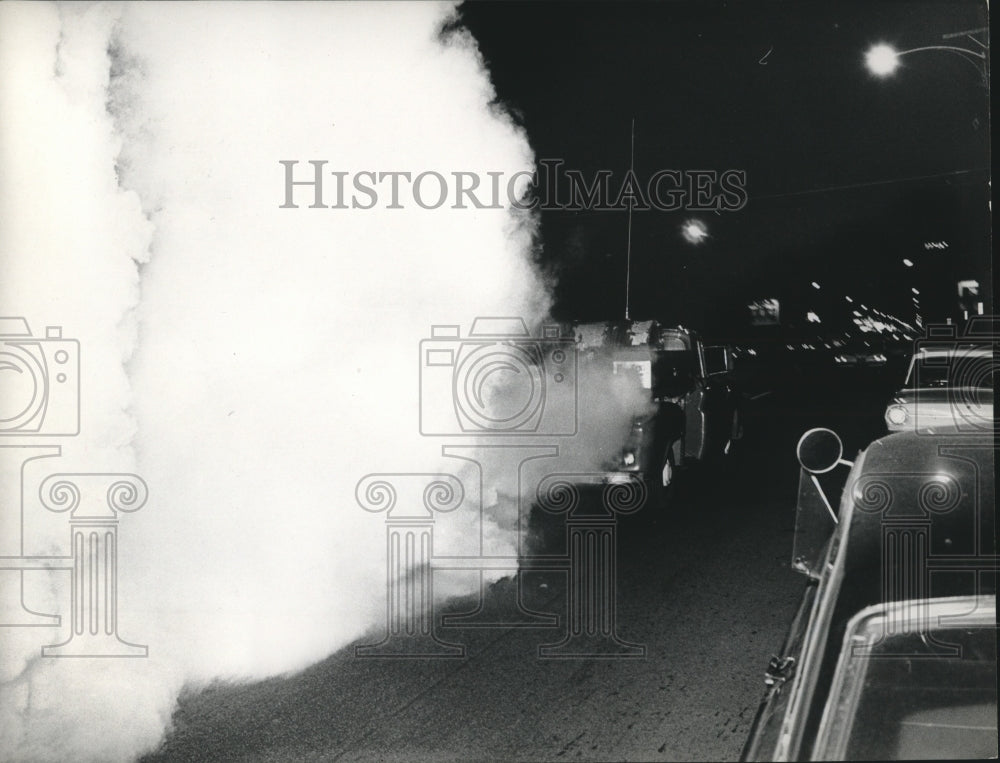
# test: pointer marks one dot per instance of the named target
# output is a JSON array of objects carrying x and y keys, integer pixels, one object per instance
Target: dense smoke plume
[{"x": 250, "y": 362}]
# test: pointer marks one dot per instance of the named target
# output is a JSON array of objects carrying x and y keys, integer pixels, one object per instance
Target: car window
[
  {"x": 929, "y": 376},
  {"x": 910, "y": 687},
  {"x": 672, "y": 372},
  {"x": 665, "y": 338},
  {"x": 962, "y": 367}
]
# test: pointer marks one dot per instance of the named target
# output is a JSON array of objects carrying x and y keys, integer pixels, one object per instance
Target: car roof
[
  {"x": 917, "y": 520},
  {"x": 626, "y": 333},
  {"x": 978, "y": 350},
  {"x": 931, "y": 495}
]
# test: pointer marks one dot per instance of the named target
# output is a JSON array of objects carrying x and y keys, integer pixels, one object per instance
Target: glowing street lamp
[
  {"x": 694, "y": 231},
  {"x": 882, "y": 59}
]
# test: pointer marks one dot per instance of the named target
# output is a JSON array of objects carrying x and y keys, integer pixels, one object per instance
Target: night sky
[{"x": 836, "y": 160}]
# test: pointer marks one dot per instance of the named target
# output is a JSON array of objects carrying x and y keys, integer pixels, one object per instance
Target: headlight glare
[{"x": 896, "y": 415}]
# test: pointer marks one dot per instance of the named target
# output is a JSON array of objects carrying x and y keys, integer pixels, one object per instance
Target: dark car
[{"x": 892, "y": 653}]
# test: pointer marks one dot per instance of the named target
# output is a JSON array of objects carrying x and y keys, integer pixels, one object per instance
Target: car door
[
  {"x": 694, "y": 421},
  {"x": 717, "y": 403},
  {"x": 767, "y": 723}
]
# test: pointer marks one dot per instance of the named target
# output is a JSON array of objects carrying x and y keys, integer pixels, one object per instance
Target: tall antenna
[{"x": 628, "y": 249}]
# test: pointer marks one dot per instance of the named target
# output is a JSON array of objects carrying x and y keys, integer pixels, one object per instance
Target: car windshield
[
  {"x": 907, "y": 688},
  {"x": 959, "y": 368},
  {"x": 671, "y": 342}
]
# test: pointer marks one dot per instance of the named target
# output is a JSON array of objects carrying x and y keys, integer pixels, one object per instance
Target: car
[
  {"x": 860, "y": 359},
  {"x": 947, "y": 385},
  {"x": 865, "y": 353},
  {"x": 695, "y": 409},
  {"x": 892, "y": 653}
]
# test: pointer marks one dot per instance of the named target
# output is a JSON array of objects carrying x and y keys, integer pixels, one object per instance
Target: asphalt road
[{"x": 705, "y": 587}]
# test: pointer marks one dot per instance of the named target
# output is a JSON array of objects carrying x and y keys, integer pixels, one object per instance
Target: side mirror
[{"x": 819, "y": 451}]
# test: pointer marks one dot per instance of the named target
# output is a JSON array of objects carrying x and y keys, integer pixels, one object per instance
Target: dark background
[{"x": 847, "y": 174}]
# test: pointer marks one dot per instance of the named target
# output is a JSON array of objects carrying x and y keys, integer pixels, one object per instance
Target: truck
[{"x": 694, "y": 416}]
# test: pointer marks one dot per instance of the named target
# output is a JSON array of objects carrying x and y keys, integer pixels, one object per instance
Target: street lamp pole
[{"x": 628, "y": 247}]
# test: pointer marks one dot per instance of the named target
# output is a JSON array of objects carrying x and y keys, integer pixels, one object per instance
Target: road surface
[{"x": 705, "y": 587}]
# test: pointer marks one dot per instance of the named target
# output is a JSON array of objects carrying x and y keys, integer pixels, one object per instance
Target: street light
[
  {"x": 694, "y": 231},
  {"x": 882, "y": 59}
]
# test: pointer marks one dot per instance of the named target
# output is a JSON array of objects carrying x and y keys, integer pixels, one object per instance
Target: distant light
[
  {"x": 815, "y": 285},
  {"x": 848, "y": 299},
  {"x": 908, "y": 263},
  {"x": 694, "y": 231},
  {"x": 857, "y": 314},
  {"x": 812, "y": 317},
  {"x": 882, "y": 60},
  {"x": 915, "y": 290}
]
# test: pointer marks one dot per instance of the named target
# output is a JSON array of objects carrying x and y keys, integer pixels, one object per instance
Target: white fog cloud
[{"x": 250, "y": 362}]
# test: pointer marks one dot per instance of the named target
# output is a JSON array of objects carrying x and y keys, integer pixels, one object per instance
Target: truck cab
[{"x": 695, "y": 415}]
